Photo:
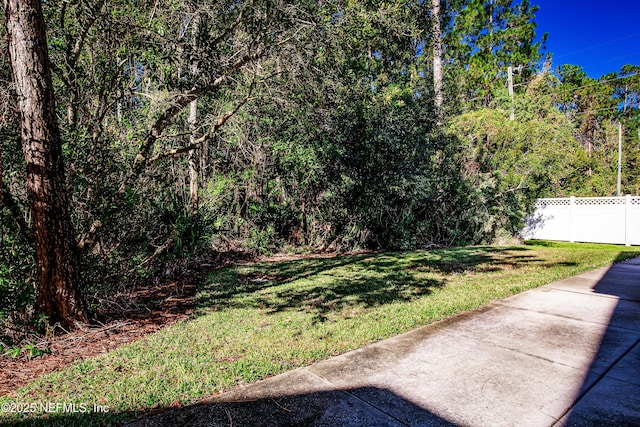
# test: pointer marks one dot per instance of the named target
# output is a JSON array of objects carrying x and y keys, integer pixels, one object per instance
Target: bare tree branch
[
  {"x": 199, "y": 141},
  {"x": 179, "y": 103}
]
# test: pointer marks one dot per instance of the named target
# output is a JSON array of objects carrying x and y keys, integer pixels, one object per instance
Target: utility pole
[
  {"x": 510, "y": 77},
  {"x": 619, "y": 157}
]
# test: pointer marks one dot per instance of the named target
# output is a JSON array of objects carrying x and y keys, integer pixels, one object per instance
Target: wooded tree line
[{"x": 188, "y": 127}]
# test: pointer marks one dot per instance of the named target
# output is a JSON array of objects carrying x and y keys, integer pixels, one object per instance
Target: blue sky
[{"x": 600, "y": 36}]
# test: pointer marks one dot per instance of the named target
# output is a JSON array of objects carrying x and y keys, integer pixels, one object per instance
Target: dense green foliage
[{"x": 316, "y": 131}]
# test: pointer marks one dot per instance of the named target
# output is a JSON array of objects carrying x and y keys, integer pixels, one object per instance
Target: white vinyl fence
[{"x": 586, "y": 219}]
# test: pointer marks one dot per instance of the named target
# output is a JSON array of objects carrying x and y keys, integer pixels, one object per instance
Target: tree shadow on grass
[
  {"x": 224, "y": 285},
  {"x": 322, "y": 285},
  {"x": 317, "y": 286},
  {"x": 337, "y": 294},
  {"x": 475, "y": 259}
]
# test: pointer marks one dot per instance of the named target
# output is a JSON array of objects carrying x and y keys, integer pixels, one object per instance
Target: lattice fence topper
[
  {"x": 541, "y": 203},
  {"x": 600, "y": 201},
  {"x": 587, "y": 201}
]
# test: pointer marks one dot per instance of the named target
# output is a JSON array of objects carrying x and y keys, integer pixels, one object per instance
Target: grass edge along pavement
[{"x": 258, "y": 320}]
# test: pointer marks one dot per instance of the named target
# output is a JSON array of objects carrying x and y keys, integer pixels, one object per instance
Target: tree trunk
[
  {"x": 58, "y": 293},
  {"x": 437, "y": 59},
  {"x": 193, "y": 122},
  {"x": 194, "y": 159}
]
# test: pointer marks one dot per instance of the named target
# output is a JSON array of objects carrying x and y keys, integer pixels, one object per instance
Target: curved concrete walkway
[{"x": 567, "y": 353}]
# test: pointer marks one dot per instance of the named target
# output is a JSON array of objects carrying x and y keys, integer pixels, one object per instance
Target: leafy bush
[{"x": 17, "y": 272}]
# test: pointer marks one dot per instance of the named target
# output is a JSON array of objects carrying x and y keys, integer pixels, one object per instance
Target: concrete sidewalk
[{"x": 567, "y": 353}]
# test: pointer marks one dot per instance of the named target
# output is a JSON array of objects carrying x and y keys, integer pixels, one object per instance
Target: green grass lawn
[{"x": 262, "y": 319}]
